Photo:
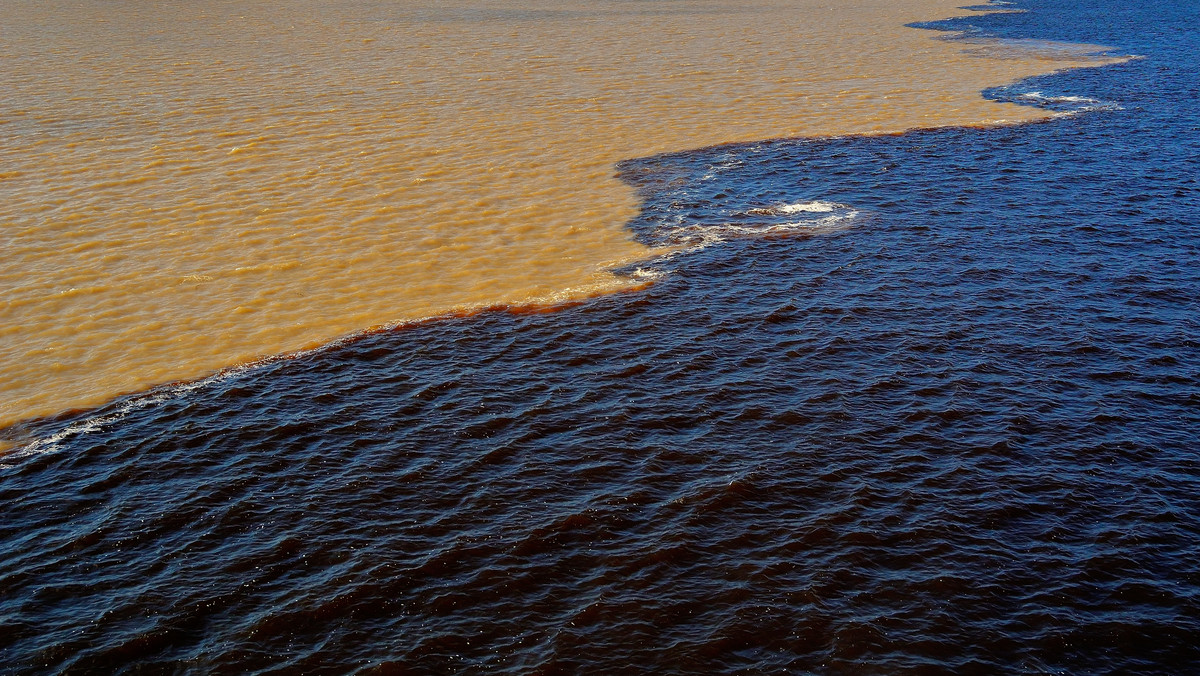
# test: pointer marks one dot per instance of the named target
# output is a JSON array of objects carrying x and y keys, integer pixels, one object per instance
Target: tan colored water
[{"x": 185, "y": 186}]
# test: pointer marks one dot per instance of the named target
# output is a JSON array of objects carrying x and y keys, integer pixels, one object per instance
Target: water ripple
[{"x": 958, "y": 437}]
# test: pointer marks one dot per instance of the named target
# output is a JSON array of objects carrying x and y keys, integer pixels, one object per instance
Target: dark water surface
[{"x": 946, "y": 424}]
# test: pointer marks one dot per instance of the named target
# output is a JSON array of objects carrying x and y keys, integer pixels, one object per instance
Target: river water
[
  {"x": 920, "y": 402},
  {"x": 204, "y": 184}
]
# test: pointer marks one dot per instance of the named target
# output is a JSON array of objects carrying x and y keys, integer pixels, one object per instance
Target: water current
[
  {"x": 906, "y": 403},
  {"x": 205, "y": 184}
]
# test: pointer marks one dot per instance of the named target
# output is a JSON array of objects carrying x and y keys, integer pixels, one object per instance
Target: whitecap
[
  {"x": 814, "y": 207},
  {"x": 695, "y": 236},
  {"x": 1042, "y": 98}
]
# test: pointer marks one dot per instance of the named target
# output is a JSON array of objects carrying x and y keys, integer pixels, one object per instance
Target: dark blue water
[{"x": 948, "y": 426}]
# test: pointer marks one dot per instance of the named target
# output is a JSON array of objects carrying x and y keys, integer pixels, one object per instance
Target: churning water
[
  {"x": 191, "y": 186},
  {"x": 914, "y": 403}
]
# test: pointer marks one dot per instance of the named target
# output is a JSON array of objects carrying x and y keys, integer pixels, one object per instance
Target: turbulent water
[
  {"x": 189, "y": 186},
  {"x": 917, "y": 403}
]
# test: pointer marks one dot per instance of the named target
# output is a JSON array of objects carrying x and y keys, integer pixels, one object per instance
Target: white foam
[
  {"x": 696, "y": 237},
  {"x": 814, "y": 207},
  {"x": 647, "y": 274},
  {"x": 50, "y": 444},
  {"x": 817, "y": 207},
  {"x": 1082, "y": 104},
  {"x": 1038, "y": 96}
]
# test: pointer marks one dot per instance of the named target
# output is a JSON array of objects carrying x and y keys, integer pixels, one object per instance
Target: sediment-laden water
[
  {"x": 190, "y": 186},
  {"x": 916, "y": 403}
]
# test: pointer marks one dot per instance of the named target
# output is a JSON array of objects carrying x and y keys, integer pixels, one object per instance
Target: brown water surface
[{"x": 186, "y": 186}]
